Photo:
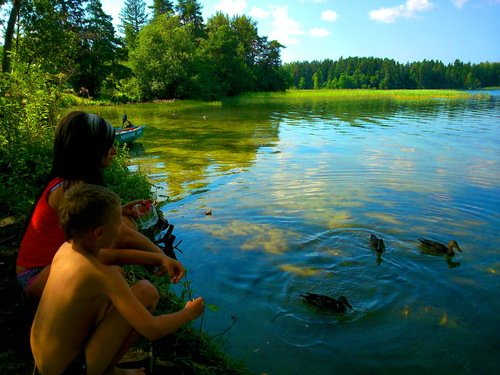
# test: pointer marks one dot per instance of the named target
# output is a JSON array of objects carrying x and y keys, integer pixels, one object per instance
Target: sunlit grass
[{"x": 358, "y": 94}]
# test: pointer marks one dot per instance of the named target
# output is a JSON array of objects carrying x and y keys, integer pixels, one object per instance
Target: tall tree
[
  {"x": 50, "y": 30},
  {"x": 9, "y": 34},
  {"x": 189, "y": 12},
  {"x": 160, "y": 7},
  {"x": 163, "y": 59},
  {"x": 134, "y": 17},
  {"x": 219, "y": 49},
  {"x": 98, "y": 50}
]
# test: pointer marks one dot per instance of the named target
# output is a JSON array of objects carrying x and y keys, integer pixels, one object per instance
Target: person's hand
[
  {"x": 196, "y": 307},
  {"x": 128, "y": 209},
  {"x": 174, "y": 268}
]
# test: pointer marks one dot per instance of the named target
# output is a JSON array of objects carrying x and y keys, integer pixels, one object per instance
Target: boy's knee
[{"x": 146, "y": 293}]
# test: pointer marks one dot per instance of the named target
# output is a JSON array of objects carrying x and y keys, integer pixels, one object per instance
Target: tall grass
[{"x": 361, "y": 94}]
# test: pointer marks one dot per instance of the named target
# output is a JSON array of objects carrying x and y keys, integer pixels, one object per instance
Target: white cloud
[
  {"x": 283, "y": 28},
  {"x": 259, "y": 13},
  {"x": 231, "y": 7},
  {"x": 406, "y": 10},
  {"x": 319, "y": 33},
  {"x": 329, "y": 15},
  {"x": 459, "y": 3}
]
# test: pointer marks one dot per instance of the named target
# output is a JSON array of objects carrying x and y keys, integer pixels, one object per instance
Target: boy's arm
[
  {"x": 132, "y": 310},
  {"x": 143, "y": 258}
]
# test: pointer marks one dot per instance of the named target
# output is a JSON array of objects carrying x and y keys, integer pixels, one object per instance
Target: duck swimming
[
  {"x": 438, "y": 248},
  {"x": 331, "y": 304},
  {"x": 377, "y": 244}
]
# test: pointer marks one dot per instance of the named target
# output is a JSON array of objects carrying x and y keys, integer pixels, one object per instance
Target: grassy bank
[{"x": 395, "y": 95}]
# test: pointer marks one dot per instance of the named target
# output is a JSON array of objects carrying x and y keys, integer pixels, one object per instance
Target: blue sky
[{"x": 403, "y": 30}]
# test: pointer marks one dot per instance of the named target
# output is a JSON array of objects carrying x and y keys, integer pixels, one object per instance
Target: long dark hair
[{"x": 81, "y": 141}]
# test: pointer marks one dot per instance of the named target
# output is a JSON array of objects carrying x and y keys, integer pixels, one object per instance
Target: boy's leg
[{"x": 113, "y": 335}]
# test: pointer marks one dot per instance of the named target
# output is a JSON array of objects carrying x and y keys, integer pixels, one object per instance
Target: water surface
[{"x": 295, "y": 191}]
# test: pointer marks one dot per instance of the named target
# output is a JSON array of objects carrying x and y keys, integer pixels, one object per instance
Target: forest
[
  {"x": 165, "y": 51},
  {"x": 378, "y": 73},
  {"x": 168, "y": 51}
]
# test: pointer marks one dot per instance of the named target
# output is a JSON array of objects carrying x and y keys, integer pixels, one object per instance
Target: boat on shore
[{"x": 129, "y": 134}]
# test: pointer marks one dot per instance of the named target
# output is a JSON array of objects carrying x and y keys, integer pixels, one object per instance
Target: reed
[{"x": 361, "y": 94}]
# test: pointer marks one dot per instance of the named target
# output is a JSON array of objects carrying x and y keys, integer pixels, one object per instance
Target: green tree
[
  {"x": 270, "y": 76},
  {"x": 50, "y": 33},
  {"x": 160, "y": 7},
  {"x": 163, "y": 59},
  {"x": 133, "y": 18},
  {"x": 98, "y": 51},
  {"x": 222, "y": 59},
  {"x": 9, "y": 34},
  {"x": 189, "y": 12}
]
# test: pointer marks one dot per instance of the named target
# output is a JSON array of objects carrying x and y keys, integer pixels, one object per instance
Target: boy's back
[
  {"x": 70, "y": 307},
  {"x": 88, "y": 315}
]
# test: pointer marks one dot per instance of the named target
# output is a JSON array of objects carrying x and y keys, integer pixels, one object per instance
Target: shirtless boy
[{"x": 88, "y": 316}]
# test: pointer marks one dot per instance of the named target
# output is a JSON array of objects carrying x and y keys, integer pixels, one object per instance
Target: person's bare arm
[
  {"x": 133, "y": 239},
  {"x": 149, "y": 326},
  {"x": 144, "y": 258}
]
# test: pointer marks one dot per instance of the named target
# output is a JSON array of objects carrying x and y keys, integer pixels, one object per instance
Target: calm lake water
[{"x": 296, "y": 189}]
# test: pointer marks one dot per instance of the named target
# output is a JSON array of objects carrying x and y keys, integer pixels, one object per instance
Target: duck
[
  {"x": 377, "y": 244},
  {"x": 438, "y": 248},
  {"x": 331, "y": 304}
]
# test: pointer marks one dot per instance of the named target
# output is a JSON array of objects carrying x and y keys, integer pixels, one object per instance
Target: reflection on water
[{"x": 295, "y": 191}]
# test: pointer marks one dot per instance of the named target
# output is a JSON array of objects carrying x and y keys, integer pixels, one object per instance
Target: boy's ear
[{"x": 98, "y": 232}]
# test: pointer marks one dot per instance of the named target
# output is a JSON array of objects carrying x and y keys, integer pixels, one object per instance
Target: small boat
[{"x": 129, "y": 134}]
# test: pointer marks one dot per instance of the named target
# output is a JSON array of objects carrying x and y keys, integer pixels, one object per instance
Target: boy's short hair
[{"x": 85, "y": 207}]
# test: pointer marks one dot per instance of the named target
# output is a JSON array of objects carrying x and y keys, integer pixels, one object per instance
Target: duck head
[
  {"x": 342, "y": 300},
  {"x": 453, "y": 245}
]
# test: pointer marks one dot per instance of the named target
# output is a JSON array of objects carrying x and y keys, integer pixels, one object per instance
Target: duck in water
[
  {"x": 377, "y": 244},
  {"x": 323, "y": 302},
  {"x": 437, "y": 248}
]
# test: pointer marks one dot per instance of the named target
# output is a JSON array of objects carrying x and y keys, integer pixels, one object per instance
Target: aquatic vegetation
[
  {"x": 252, "y": 236},
  {"x": 361, "y": 94},
  {"x": 384, "y": 217},
  {"x": 299, "y": 271}
]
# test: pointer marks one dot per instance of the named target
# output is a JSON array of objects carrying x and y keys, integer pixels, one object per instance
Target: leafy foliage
[
  {"x": 170, "y": 61},
  {"x": 163, "y": 59},
  {"x": 98, "y": 50},
  {"x": 30, "y": 107},
  {"x": 29, "y": 99},
  {"x": 128, "y": 185}
]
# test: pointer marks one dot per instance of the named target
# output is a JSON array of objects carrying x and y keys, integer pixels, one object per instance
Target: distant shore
[{"x": 357, "y": 94}]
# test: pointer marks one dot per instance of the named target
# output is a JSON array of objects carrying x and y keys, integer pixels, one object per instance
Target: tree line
[
  {"x": 162, "y": 52},
  {"x": 168, "y": 51},
  {"x": 378, "y": 73}
]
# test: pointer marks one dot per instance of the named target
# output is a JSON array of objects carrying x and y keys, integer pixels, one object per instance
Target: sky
[{"x": 403, "y": 30}]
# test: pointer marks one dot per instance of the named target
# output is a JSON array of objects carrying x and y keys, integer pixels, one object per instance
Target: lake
[{"x": 295, "y": 190}]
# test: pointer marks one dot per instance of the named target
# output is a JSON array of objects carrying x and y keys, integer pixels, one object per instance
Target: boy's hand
[
  {"x": 174, "y": 268},
  {"x": 128, "y": 209},
  {"x": 196, "y": 307}
]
